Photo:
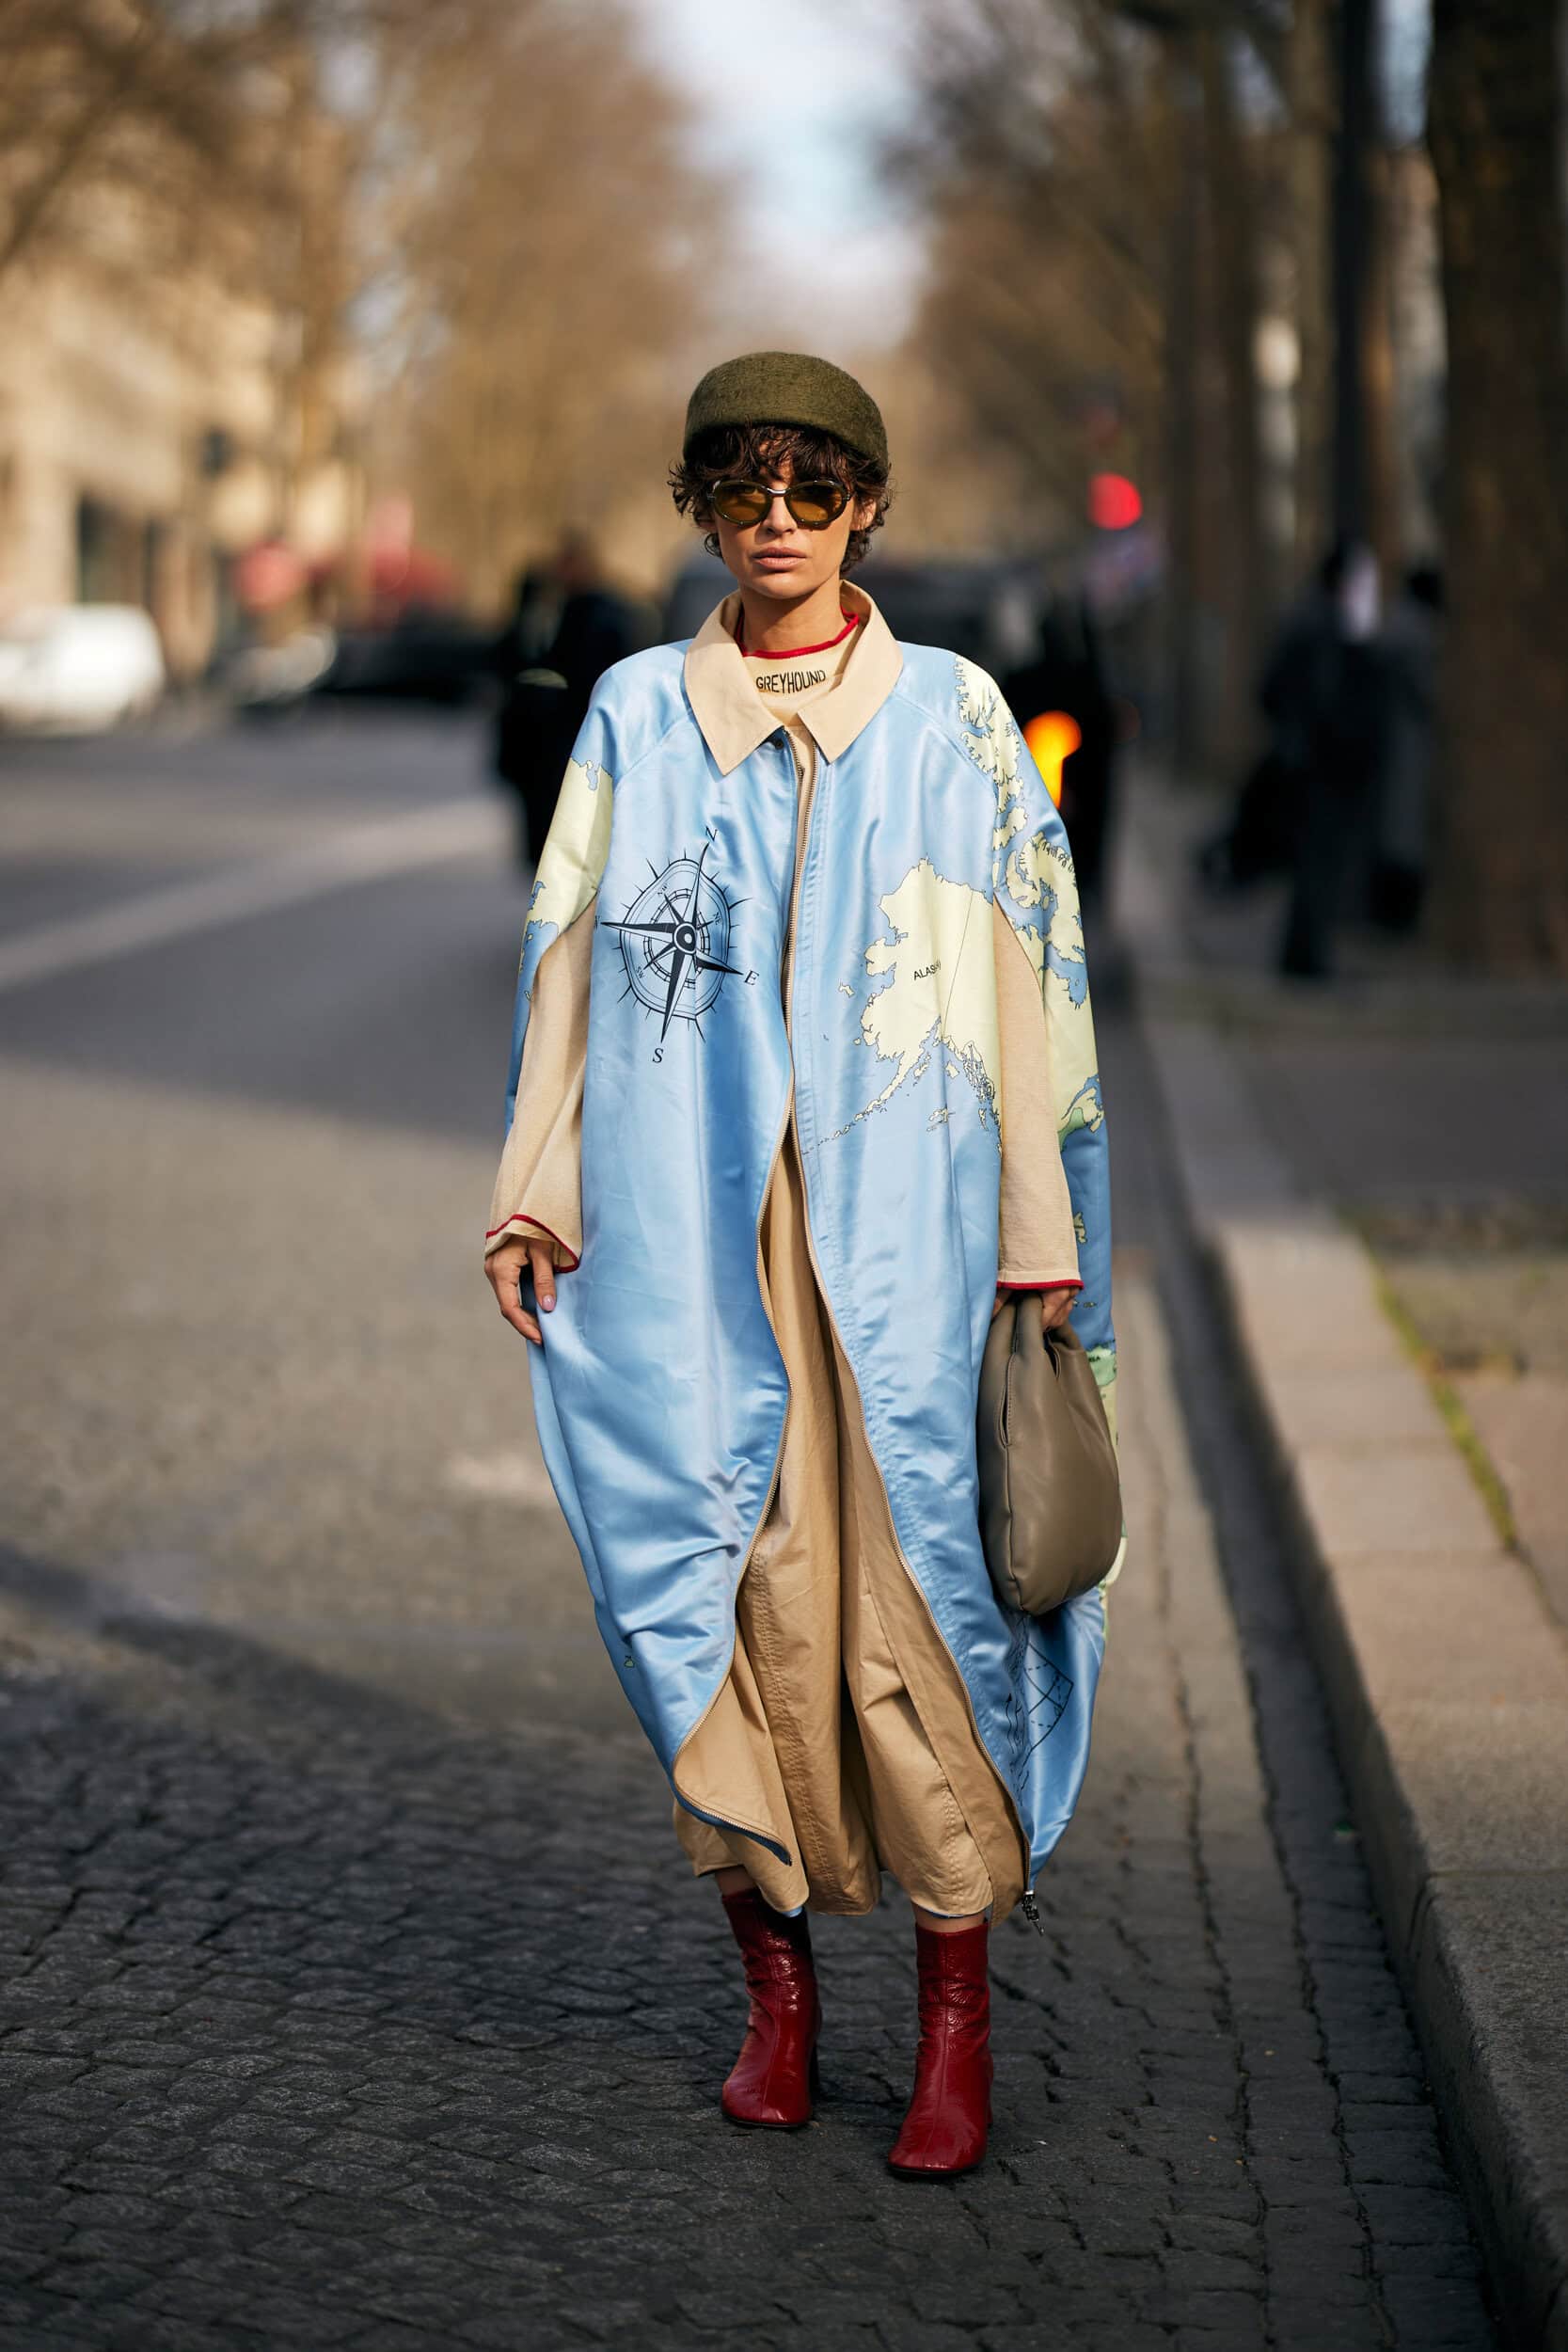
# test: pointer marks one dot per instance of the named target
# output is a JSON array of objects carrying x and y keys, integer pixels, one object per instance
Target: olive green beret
[{"x": 788, "y": 388}]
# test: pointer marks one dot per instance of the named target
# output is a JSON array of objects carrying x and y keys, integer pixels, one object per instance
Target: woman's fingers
[
  {"x": 504, "y": 1269},
  {"x": 1055, "y": 1306},
  {"x": 543, "y": 1264}
]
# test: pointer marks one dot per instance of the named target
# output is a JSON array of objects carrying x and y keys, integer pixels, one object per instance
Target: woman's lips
[{"x": 777, "y": 563}]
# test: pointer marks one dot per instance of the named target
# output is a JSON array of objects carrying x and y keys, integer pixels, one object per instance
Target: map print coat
[{"x": 660, "y": 1392}]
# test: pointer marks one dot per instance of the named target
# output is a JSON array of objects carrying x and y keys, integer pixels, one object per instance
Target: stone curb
[{"x": 1446, "y": 1674}]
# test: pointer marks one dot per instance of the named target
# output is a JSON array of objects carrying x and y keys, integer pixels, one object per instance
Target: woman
[{"x": 804, "y": 1081}]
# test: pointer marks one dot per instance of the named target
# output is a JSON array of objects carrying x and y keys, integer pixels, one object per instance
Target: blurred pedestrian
[
  {"x": 1401, "y": 845},
  {"x": 1067, "y": 676},
  {"x": 568, "y": 628},
  {"x": 1325, "y": 690},
  {"x": 833, "y": 1093}
]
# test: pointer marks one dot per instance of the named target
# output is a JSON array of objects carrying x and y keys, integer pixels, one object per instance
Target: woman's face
[{"x": 776, "y": 558}]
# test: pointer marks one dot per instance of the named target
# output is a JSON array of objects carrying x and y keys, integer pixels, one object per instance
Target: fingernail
[{"x": 548, "y": 1302}]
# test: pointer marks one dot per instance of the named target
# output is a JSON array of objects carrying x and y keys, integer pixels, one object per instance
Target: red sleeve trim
[
  {"x": 1061, "y": 1283},
  {"x": 520, "y": 1217}
]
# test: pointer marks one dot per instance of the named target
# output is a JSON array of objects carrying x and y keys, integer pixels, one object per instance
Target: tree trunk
[
  {"x": 1354, "y": 234},
  {"x": 1378, "y": 379},
  {"x": 1313, "y": 115},
  {"x": 1233, "y": 212},
  {"x": 1502, "y": 877},
  {"x": 1183, "y": 453}
]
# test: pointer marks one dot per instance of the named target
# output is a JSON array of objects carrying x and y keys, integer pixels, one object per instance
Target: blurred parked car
[
  {"x": 264, "y": 680},
  {"x": 425, "y": 656},
  {"x": 950, "y": 603},
  {"x": 81, "y": 666}
]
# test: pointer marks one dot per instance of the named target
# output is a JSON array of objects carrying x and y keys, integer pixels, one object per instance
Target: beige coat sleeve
[
  {"x": 1038, "y": 1245},
  {"x": 539, "y": 1186}
]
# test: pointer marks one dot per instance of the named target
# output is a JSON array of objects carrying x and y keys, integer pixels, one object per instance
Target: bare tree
[
  {"x": 164, "y": 110},
  {"x": 1043, "y": 165},
  {"x": 1102, "y": 177},
  {"x": 488, "y": 202},
  {"x": 543, "y": 248}
]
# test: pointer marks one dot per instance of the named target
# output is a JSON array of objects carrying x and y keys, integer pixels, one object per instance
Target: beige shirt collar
[{"x": 734, "y": 719}]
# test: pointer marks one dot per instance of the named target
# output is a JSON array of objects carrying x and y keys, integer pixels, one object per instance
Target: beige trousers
[{"x": 843, "y": 1722}]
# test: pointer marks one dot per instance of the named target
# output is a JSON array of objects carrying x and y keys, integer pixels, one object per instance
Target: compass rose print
[{"x": 675, "y": 942}]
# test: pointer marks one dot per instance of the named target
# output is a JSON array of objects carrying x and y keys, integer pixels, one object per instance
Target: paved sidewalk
[
  {"x": 353, "y": 1994},
  {"x": 1413, "y": 1402}
]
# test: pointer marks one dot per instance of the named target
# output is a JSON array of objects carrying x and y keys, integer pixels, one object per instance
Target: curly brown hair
[{"x": 750, "y": 451}]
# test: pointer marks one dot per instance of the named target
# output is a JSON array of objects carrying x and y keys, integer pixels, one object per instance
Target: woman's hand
[
  {"x": 505, "y": 1268},
  {"x": 1055, "y": 1307}
]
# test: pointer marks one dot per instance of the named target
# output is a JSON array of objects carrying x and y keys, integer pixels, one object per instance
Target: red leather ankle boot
[
  {"x": 945, "y": 2130},
  {"x": 772, "y": 2082}
]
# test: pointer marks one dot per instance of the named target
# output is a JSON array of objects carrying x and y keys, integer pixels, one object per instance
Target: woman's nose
[{"x": 778, "y": 516}]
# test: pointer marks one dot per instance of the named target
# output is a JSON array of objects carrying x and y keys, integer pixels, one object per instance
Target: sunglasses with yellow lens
[{"x": 813, "y": 504}]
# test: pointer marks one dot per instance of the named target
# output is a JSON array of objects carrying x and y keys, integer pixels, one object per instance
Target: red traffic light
[{"x": 1114, "y": 501}]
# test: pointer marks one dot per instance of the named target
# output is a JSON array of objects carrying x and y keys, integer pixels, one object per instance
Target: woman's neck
[{"x": 769, "y": 625}]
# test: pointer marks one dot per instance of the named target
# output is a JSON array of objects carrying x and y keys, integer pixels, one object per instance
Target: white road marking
[{"x": 360, "y": 853}]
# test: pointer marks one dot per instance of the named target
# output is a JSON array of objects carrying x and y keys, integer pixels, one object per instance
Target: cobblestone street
[{"x": 352, "y": 1988}]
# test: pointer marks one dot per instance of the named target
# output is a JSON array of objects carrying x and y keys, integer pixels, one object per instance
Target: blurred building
[{"x": 152, "y": 453}]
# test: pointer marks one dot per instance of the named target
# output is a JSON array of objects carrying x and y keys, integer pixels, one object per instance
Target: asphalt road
[{"x": 352, "y": 1992}]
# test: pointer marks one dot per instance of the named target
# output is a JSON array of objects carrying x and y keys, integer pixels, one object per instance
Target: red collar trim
[{"x": 851, "y": 620}]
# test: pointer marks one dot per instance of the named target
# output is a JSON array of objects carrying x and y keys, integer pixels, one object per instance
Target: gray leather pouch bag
[{"x": 1050, "y": 1493}]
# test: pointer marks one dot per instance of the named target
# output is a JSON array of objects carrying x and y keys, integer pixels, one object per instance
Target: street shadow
[
  {"x": 167, "y": 1722},
  {"x": 278, "y": 1862}
]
